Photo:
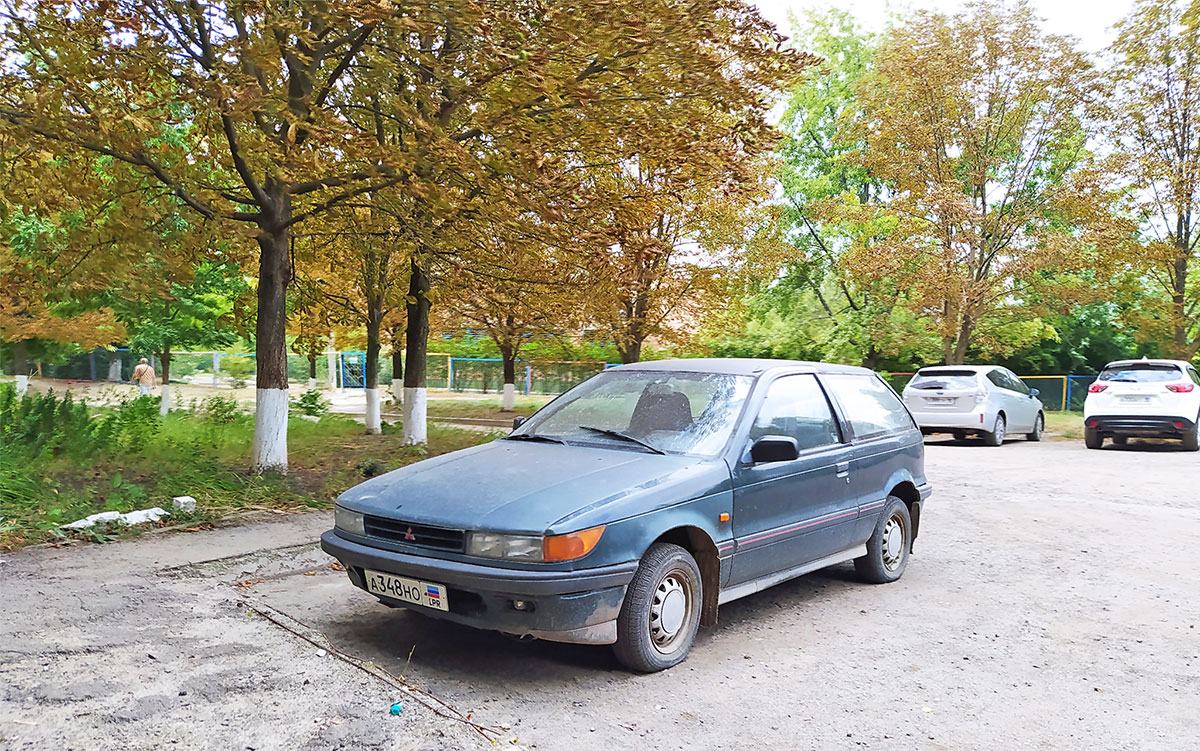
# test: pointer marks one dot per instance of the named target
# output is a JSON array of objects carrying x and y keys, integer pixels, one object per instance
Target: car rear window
[
  {"x": 1142, "y": 373},
  {"x": 944, "y": 379}
]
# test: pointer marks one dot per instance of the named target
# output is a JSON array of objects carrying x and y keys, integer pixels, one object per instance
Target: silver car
[{"x": 984, "y": 400}]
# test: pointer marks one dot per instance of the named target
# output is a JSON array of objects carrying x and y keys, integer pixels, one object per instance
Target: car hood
[{"x": 535, "y": 488}]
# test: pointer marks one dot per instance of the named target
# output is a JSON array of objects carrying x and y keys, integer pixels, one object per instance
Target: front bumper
[
  {"x": 1140, "y": 425},
  {"x": 569, "y": 606}
]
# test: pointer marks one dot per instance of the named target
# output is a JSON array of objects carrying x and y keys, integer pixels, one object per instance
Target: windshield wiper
[
  {"x": 534, "y": 437},
  {"x": 624, "y": 436}
]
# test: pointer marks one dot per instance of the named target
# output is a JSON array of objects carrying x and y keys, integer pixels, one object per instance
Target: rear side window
[
  {"x": 796, "y": 406},
  {"x": 943, "y": 379},
  {"x": 870, "y": 406},
  {"x": 1194, "y": 376},
  {"x": 1141, "y": 373}
]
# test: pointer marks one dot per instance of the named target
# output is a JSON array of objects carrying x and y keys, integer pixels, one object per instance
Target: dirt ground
[{"x": 1050, "y": 605}]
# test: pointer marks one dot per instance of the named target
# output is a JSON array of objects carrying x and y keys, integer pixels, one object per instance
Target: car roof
[
  {"x": 973, "y": 368},
  {"x": 741, "y": 366},
  {"x": 1146, "y": 361}
]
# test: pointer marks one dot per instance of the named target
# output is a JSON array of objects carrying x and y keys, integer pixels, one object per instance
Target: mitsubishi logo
[{"x": 408, "y": 535}]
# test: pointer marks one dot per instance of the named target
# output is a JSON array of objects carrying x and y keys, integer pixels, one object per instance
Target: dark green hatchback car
[{"x": 629, "y": 508}]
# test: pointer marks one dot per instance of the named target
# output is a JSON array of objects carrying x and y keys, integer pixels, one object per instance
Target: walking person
[{"x": 143, "y": 376}]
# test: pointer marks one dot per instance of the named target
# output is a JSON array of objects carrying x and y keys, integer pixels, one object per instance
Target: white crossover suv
[
  {"x": 1152, "y": 398},
  {"x": 984, "y": 400}
]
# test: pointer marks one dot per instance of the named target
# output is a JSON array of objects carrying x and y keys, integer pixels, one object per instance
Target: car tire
[
  {"x": 1191, "y": 441},
  {"x": 999, "y": 429},
  {"x": 889, "y": 545},
  {"x": 959, "y": 436},
  {"x": 661, "y": 612},
  {"x": 1039, "y": 425},
  {"x": 1092, "y": 438}
]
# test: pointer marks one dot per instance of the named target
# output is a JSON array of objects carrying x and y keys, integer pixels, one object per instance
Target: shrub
[
  {"x": 220, "y": 409},
  {"x": 311, "y": 404}
]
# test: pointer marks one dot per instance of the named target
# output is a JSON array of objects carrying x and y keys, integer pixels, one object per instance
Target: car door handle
[{"x": 843, "y": 470}]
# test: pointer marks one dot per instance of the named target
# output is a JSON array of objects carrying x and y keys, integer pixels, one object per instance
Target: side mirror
[
  {"x": 774, "y": 448},
  {"x": 518, "y": 422},
  {"x": 1034, "y": 393}
]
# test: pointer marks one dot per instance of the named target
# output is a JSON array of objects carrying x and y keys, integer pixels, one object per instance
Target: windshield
[
  {"x": 646, "y": 410},
  {"x": 1142, "y": 373},
  {"x": 944, "y": 379}
]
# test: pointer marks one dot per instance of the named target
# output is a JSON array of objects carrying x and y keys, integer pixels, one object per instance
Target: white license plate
[
  {"x": 940, "y": 399},
  {"x": 1135, "y": 399},
  {"x": 409, "y": 590}
]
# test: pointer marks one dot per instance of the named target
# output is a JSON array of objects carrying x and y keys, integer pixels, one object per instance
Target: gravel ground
[{"x": 1050, "y": 605}]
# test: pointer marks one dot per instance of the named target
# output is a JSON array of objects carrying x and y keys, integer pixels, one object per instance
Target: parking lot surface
[{"x": 1050, "y": 605}]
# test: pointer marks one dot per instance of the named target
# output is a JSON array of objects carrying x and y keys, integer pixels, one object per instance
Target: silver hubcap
[
  {"x": 670, "y": 610},
  {"x": 893, "y": 542},
  {"x": 999, "y": 431}
]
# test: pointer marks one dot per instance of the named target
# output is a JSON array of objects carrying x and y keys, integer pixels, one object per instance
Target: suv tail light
[
  {"x": 1096, "y": 388},
  {"x": 1181, "y": 388}
]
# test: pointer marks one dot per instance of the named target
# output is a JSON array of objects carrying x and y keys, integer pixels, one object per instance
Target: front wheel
[
  {"x": 889, "y": 545},
  {"x": 661, "y": 613},
  {"x": 1038, "y": 426},
  {"x": 996, "y": 437}
]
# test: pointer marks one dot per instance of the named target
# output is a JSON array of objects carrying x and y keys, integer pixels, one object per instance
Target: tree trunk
[
  {"x": 872, "y": 357},
  {"x": 416, "y": 346},
  {"x": 312, "y": 370},
  {"x": 397, "y": 337},
  {"x": 164, "y": 359},
  {"x": 509, "y": 400},
  {"x": 1180, "y": 341},
  {"x": 21, "y": 367},
  {"x": 371, "y": 369},
  {"x": 631, "y": 352},
  {"x": 270, "y": 332},
  {"x": 962, "y": 341}
]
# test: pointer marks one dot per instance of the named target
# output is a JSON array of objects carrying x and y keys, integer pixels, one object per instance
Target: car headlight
[
  {"x": 349, "y": 521},
  {"x": 513, "y": 547},
  {"x": 554, "y": 548}
]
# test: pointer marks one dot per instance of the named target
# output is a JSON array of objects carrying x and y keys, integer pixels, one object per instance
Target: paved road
[{"x": 1050, "y": 605}]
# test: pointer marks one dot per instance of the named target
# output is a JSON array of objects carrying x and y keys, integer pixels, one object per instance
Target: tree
[
  {"x": 975, "y": 122},
  {"x": 1154, "y": 131},
  {"x": 234, "y": 109}
]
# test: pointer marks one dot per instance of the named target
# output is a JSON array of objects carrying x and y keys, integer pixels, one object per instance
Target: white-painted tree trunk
[
  {"x": 270, "y": 430},
  {"x": 165, "y": 406},
  {"x": 22, "y": 385},
  {"x": 509, "y": 400},
  {"x": 414, "y": 416},
  {"x": 331, "y": 358},
  {"x": 114, "y": 369},
  {"x": 312, "y": 383},
  {"x": 372, "y": 416},
  {"x": 397, "y": 391}
]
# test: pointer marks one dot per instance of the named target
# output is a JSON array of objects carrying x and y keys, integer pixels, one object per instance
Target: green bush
[
  {"x": 220, "y": 409},
  {"x": 311, "y": 404}
]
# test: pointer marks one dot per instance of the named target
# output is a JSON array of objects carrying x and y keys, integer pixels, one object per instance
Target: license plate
[
  {"x": 940, "y": 399},
  {"x": 409, "y": 590},
  {"x": 1135, "y": 399}
]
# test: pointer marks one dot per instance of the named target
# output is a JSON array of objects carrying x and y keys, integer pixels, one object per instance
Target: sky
[{"x": 1088, "y": 20}]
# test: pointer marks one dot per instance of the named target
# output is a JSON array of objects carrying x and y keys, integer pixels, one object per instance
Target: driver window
[{"x": 796, "y": 407}]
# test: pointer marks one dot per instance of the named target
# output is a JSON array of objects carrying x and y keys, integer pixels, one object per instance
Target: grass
[
  {"x": 484, "y": 408},
  {"x": 1065, "y": 426},
  {"x": 192, "y": 454}
]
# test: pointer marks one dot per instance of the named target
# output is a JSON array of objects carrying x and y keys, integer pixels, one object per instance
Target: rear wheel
[
  {"x": 996, "y": 437},
  {"x": 1038, "y": 426},
  {"x": 661, "y": 612},
  {"x": 960, "y": 435},
  {"x": 1191, "y": 441},
  {"x": 1092, "y": 438},
  {"x": 889, "y": 545}
]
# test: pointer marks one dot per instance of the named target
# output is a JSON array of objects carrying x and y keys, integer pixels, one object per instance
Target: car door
[
  {"x": 1004, "y": 396},
  {"x": 884, "y": 443},
  {"x": 788, "y": 513},
  {"x": 1025, "y": 405}
]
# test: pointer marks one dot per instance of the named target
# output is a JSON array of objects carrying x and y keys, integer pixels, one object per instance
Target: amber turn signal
[{"x": 568, "y": 547}]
